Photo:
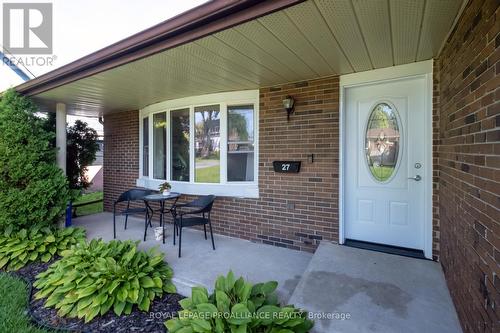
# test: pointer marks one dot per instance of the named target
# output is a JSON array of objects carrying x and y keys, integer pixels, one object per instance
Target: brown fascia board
[{"x": 193, "y": 24}]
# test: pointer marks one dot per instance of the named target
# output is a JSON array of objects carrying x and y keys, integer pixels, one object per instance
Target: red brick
[{"x": 468, "y": 180}]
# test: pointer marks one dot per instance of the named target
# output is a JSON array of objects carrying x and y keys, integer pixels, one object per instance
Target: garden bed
[{"x": 161, "y": 309}]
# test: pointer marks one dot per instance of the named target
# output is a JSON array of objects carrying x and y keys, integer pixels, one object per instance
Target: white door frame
[{"x": 417, "y": 69}]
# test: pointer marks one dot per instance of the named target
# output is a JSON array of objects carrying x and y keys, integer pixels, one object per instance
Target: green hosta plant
[
  {"x": 17, "y": 249},
  {"x": 237, "y": 306},
  {"x": 94, "y": 277}
]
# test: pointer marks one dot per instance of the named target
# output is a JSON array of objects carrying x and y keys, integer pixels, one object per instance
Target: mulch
[{"x": 161, "y": 309}]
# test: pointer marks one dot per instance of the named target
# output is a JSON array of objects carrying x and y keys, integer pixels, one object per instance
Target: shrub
[
  {"x": 91, "y": 278},
  {"x": 82, "y": 148},
  {"x": 33, "y": 190},
  {"x": 17, "y": 249},
  {"x": 237, "y": 306}
]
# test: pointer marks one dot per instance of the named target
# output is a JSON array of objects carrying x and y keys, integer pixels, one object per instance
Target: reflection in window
[
  {"x": 382, "y": 141},
  {"x": 240, "y": 138},
  {"x": 145, "y": 147},
  {"x": 160, "y": 146},
  {"x": 207, "y": 143},
  {"x": 180, "y": 144}
]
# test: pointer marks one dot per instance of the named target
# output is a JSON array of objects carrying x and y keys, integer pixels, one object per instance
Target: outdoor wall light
[{"x": 288, "y": 104}]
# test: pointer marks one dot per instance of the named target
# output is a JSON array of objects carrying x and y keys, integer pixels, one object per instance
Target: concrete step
[{"x": 356, "y": 290}]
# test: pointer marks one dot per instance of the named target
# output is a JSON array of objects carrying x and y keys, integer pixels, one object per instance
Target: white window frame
[{"x": 224, "y": 188}]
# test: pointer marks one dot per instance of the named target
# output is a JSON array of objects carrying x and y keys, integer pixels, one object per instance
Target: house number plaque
[{"x": 286, "y": 166}]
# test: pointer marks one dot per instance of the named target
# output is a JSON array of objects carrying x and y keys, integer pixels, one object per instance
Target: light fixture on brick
[{"x": 288, "y": 104}]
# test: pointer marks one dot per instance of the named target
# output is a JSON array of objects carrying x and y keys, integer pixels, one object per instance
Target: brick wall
[
  {"x": 469, "y": 165},
  {"x": 294, "y": 210},
  {"x": 121, "y": 154}
]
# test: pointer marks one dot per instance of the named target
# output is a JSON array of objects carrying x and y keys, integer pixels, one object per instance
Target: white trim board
[
  {"x": 385, "y": 74},
  {"x": 423, "y": 68}
]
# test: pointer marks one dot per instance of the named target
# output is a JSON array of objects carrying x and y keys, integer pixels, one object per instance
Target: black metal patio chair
[
  {"x": 196, "y": 212},
  {"x": 129, "y": 196}
]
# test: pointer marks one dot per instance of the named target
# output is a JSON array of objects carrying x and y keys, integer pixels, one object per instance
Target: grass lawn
[
  {"x": 382, "y": 173},
  {"x": 13, "y": 304},
  {"x": 208, "y": 175},
  {"x": 89, "y": 209}
]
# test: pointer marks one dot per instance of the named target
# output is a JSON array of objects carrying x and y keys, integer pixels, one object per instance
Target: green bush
[
  {"x": 17, "y": 249},
  {"x": 93, "y": 277},
  {"x": 82, "y": 148},
  {"x": 33, "y": 190},
  {"x": 237, "y": 306}
]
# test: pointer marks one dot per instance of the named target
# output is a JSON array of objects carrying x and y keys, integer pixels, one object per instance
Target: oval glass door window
[{"x": 382, "y": 140}]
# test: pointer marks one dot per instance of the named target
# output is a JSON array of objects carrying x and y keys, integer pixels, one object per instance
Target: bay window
[{"x": 202, "y": 144}]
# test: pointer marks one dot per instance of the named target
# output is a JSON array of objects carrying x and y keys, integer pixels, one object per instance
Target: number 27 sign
[{"x": 286, "y": 166}]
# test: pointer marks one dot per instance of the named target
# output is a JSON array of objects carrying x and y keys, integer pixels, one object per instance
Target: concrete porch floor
[
  {"x": 199, "y": 264},
  {"x": 380, "y": 292}
]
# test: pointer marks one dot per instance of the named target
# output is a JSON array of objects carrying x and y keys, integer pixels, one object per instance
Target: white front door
[{"x": 385, "y": 150}]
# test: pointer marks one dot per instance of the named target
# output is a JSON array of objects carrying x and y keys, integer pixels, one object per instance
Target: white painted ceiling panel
[
  {"x": 406, "y": 18},
  {"x": 172, "y": 73},
  {"x": 254, "y": 51},
  {"x": 438, "y": 18},
  {"x": 238, "y": 56},
  {"x": 258, "y": 34},
  {"x": 375, "y": 23},
  {"x": 210, "y": 72},
  {"x": 314, "y": 39},
  {"x": 340, "y": 17},
  {"x": 319, "y": 35},
  {"x": 220, "y": 63},
  {"x": 290, "y": 35}
]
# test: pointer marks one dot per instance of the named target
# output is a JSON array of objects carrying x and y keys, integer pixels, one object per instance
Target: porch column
[{"x": 61, "y": 135}]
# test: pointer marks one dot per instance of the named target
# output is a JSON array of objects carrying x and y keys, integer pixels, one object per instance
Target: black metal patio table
[{"x": 161, "y": 199}]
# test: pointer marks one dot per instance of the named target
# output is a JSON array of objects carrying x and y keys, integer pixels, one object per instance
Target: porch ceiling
[{"x": 315, "y": 38}]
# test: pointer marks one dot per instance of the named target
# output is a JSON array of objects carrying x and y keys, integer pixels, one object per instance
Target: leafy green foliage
[
  {"x": 94, "y": 277},
  {"x": 17, "y": 249},
  {"x": 33, "y": 190},
  {"x": 82, "y": 148},
  {"x": 165, "y": 186},
  {"x": 237, "y": 306},
  {"x": 81, "y": 151}
]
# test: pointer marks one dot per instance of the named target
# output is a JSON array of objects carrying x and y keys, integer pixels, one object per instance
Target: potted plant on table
[{"x": 165, "y": 188}]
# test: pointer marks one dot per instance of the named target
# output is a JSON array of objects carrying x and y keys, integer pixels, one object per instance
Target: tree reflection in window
[
  {"x": 240, "y": 152},
  {"x": 207, "y": 144},
  {"x": 382, "y": 141},
  {"x": 160, "y": 145},
  {"x": 180, "y": 145}
]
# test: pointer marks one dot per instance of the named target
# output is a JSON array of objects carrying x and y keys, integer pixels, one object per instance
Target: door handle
[{"x": 417, "y": 178}]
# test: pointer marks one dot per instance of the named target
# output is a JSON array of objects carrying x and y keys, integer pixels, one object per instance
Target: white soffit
[
  {"x": 436, "y": 26},
  {"x": 316, "y": 38}
]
